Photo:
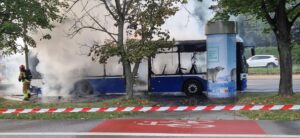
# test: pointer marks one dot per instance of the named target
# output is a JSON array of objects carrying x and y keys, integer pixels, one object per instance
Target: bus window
[
  {"x": 193, "y": 63},
  {"x": 165, "y": 63},
  {"x": 186, "y": 63},
  {"x": 114, "y": 68},
  {"x": 94, "y": 69}
]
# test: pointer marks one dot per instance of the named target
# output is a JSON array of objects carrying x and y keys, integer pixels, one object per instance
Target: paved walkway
[{"x": 158, "y": 128}]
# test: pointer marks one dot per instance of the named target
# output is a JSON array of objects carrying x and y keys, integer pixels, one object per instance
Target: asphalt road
[{"x": 268, "y": 85}]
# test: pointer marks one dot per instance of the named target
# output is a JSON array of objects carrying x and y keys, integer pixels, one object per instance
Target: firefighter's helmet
[{"x": 22, "y": 67}]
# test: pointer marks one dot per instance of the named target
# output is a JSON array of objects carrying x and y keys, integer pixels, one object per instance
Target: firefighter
[{"x": 25, "y": 79}]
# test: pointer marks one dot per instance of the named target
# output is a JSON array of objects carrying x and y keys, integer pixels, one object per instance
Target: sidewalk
[{"x": 270, "y": 77}]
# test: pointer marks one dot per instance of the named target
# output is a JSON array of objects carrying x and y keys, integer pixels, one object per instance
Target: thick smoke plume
[
  {"x": 63, "y": 61},
  {"x": 10, "y": 73},
  {"x": 189, "y": 22}
]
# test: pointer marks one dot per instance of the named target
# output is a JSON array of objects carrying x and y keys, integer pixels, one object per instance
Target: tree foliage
[
  {"x": 145, "y": 22},
  {"x": 254, "y": 33},
  {"x": 296, "y": 54},
  {"x": 18, "y": 17},
  {"x": 136, "y": 50},
  {"x": 142, "y": 19},
  {"x": 261, "y": 9}
]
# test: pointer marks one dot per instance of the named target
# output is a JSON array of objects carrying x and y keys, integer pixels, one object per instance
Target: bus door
[
  {"x": 164, "y": 73},
  {"x": 242, "y": 69}
]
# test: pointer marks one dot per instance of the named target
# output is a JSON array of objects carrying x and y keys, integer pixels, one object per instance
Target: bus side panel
[
  {"x": 173, "y": 83},
  {"x": 108, "y": 85},
  {"x": 241, "y": 68},
  {"x": 166, "y": 83},
  {"x": 243, "y": 84}
]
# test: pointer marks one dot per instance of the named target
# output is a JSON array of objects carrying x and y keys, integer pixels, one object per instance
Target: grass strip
[
  {"x": 269, "y": 98},
  {"x": 6, "y": 104},
  {"x": 271, "y": 71}
]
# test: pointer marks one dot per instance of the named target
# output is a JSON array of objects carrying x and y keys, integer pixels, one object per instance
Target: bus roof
[{"x": 191, "y": 45}]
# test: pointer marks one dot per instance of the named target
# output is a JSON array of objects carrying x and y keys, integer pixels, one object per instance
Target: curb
[{"x": 155, "y": 109}]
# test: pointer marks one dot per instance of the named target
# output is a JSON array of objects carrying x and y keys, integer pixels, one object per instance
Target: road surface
[{"x": 268, "y": 85}]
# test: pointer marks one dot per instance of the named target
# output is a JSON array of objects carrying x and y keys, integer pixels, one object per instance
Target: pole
[{"x": 149, "y": 75}]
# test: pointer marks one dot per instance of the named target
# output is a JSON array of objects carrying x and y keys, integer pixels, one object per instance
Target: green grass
[
  {"x": 274, "y": 51},
  {"x": 5, "y": 104},
  {"x": 261, "y": 71},
  {"x": 242, "y": 99},
  {"x": 269, "y": 98}
]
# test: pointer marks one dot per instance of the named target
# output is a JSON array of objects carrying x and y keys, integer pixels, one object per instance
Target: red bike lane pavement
[{"x": 178, "y": 126}]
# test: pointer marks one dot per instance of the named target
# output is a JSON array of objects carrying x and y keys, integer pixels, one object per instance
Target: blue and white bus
[{"x": 181, "y": 68}]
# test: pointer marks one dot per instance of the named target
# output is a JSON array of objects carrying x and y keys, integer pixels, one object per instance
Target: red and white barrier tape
[{"x": 156, "y": 109}]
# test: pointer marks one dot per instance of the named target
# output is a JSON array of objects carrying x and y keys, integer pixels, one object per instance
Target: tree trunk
[
  {"x": 26, "y": 50},
  {"x": 126, "y": 64},
  {"x": 283, "y": 35},
  {"x": 26, "y": 55},
  {"x": 129, "y": 79},
  {"x": 285, "y": 61}
]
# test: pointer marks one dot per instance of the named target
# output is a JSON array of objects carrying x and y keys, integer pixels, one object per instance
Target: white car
[{"x": 268, "y": 61}]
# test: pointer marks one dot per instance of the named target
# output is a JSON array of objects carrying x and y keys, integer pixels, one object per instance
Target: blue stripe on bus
[
  {"x": 108, "y": 85},
  {"x": 159, "y": 84},
  {"x": 173, "y": 83}
]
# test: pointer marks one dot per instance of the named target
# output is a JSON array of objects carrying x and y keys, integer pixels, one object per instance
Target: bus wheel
[
  {"x": 192, "y": 87},
  {"x": 82, "y": 88}
]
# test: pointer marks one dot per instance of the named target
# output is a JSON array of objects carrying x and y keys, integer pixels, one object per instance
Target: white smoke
[
  {"x": 62, "y": 64},
  {"x": 62, "y": 61},
  {"x": 10, "y": 70},
  {"x": 189, "y": 22},
  {"x": 59, "y": 59}
]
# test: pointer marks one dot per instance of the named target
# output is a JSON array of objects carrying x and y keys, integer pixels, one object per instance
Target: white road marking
[{"x": 145, "y": 134}]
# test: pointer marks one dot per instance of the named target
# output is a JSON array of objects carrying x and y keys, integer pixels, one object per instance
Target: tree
[
  {"x": 9, "y": 30},
  {"x": 296, "y": 32},
  {"x": 140, "y": 18},
  {"x": 18, "y": 17},
  {"x": 281, "y": 16},
  {"x": 253, "y": 33}
]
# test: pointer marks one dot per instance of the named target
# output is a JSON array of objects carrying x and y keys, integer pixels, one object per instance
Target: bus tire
[
  {"x": 83, "y": 88},
  {"x": 192, "y": 88}
]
